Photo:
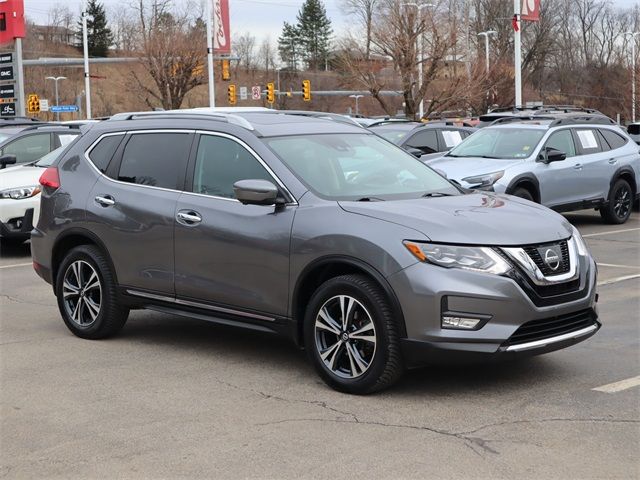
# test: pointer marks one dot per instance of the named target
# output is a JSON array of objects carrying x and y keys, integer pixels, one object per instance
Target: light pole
[
  {"x": 486, "y": 44},
  {"x": 55, "y": 80},
  {"x": 356, "y": 97},
  {"x": 85, "y": 54},
  {"x": 633, "y": 36},
  {"x": 419, "y": 47}
]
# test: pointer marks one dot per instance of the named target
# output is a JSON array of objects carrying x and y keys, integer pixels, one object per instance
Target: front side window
[
  {"x": 427, "y": 141},
  {"x": 29, "y": 148},
  {"x": 221, "y": 162},
  {"x": 155, "y": 159},
  {"x": 562, "y": 141},
  {"x": 500, "y": 143},
  {"x": 357, "y": 167}
]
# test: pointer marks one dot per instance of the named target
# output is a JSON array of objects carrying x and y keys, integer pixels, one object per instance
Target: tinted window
[
  {"x": 563, "y": 141},
  {"x": 29, "y": 148},
  {"x": 588, "y": 141},
  {"x": 634, "y": 129},
  {"x": 220, "y": 163},
  {"x": 102, "y": 153},
  {"x": 155, "y": 159},
  {"x": 613, "y": 139},
  {"x": 427, "y": 141}
]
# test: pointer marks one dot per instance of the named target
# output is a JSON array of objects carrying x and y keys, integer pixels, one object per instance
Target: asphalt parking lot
[{"x": 172, "y": 397}]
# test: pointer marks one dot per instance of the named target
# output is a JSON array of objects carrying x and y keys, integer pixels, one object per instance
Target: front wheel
[
  {"x": 523, "y": 193},
  {"x": 618, "y": 209},
  {"x": 351, "y": 336}
]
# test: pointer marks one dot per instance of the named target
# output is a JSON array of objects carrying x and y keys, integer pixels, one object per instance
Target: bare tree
[
  {"x": 244, "y": 46},
  {"x": 364, "y": 11}
]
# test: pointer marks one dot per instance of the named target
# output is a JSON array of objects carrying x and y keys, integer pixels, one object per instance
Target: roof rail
[
  {"x": 390, "y": 121},
  {"x": 597, "y": 119},
  {"x": 200, "y": 114},
  {"x": 544, "y": 108},
  {"x": 521, "y": 118}
]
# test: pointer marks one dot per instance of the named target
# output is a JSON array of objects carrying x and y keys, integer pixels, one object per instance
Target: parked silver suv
[
  {"x": 567, "y": 162},
  {"x": 309, "y": 228}
]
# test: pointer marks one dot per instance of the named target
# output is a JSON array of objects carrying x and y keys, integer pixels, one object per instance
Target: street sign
[
  {"x": 63, "y": 108},
  {"x": 7, "y": 91},
  {"x": 44, "y": 105},
  {"x": 8, "y": 109},
  {"x": 6, "y": 72},
  {"x": 256, "y": 92},
  {"x": 33, "y": 103},
  {"x": 243, "y": 93},
  {"x": 6, "y": 57}
]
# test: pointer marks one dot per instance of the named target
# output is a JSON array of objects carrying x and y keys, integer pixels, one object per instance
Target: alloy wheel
[
  {"x": 622, "y": 202},
  {"x": 345, "y": 336},
  {"x": 82, "y": 293}
]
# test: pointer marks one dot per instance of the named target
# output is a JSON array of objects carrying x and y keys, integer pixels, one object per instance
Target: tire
[
  {"x": 523, "y": 193},
  {"x": 618, "y": 209},
  {"x": 94, "y": 291},
  {"x": 357, "y": 365}
]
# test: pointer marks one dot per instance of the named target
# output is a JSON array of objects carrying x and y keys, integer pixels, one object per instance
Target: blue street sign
[{"x": 63, "y": 108}]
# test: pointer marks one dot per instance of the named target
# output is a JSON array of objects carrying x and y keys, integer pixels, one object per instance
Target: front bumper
[
  {"x": 506, "y": 303},
  {"x": 18, "y": 228}
]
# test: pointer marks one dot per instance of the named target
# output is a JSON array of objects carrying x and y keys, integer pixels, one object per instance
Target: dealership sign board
[{"x": 530, "y": 10}]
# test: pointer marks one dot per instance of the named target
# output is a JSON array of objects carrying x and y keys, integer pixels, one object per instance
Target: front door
[{"x": 228, "y": 254}]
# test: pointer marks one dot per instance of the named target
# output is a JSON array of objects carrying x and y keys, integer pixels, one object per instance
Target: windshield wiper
[
  {"x": 437, "y": 194},
  {"x": 370, "y": 199}
]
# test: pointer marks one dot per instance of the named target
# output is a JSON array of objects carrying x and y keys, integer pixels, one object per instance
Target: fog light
[{"x": 465, "y": 323}]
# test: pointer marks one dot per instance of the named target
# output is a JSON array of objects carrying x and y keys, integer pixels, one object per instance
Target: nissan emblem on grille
[{"x": 552, "y": 259}]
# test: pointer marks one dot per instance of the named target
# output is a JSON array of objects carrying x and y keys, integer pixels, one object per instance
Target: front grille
[
  {"x": 552, "y": 327},
  {"x": 537, "y": 254}
]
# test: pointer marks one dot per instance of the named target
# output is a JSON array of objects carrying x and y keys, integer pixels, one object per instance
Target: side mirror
[
  {"x": 7, "y": 159},
  {"x": 416, "y": 152},
  {"x": 552, "y": 155},
  {"x": 256, "y": 192}
]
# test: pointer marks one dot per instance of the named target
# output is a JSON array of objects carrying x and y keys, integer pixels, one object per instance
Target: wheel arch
[
  {"x": 624, "y": 173},
  {"x": 325, "y": 268},
  {"x": 528, "y": 181}
]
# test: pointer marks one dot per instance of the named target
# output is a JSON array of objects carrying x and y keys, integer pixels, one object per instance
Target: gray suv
[
  {"x": 566, "y": 162},
  {"x": 308, "y": 228}
]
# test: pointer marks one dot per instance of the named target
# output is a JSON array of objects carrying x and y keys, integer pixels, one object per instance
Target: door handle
[
  {"x": 105, "y": 200},
  {"x": 578, "y": 166},
  {"x": 612, "y": 161},
  {"x": 189, "y": 217}
]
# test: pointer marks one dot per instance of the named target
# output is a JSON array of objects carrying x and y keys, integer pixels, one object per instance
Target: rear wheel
[
  {"x": 351, "y": 336},
  {"x": 87, "y": 297},
  {"x": 523, "y": 193},
  {"x": 618, "y": 209}
]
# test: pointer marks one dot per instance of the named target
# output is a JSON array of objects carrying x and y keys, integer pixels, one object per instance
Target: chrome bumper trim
[{"x": 548, "y": 341}]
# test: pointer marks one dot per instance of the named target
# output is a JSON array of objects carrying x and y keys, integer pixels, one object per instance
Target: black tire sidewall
[
  {"x": 346, "y": 286},
  {"x": 523, "y": 193},
  {"x": 611, "y": 213}
]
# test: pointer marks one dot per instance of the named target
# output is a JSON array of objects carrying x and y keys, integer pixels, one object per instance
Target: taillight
[{"x": 50, "y": 178}]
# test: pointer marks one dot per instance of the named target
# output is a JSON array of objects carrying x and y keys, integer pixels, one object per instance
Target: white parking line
[
  {"x": 616, "y": 266},
  {"x": 618, "y": 279},
  {"x": 619, "y": 386},
  {"x": 611, "y": 232},
  {"x": 15, "y": 265}
]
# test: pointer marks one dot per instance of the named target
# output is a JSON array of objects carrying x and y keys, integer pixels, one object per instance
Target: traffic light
[
  {"x": 226, "y": 75},
  {"x": 231, "y": 93},
  {"x": 271, "y": 92},
  {"x": 306, "y": 90}
]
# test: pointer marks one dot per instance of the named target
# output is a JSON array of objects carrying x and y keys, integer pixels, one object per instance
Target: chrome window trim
[
  {"x": 204, "y": 306},
  {"x": 256, "y": 156},
  {"x": 549, "y": 341},
  {"x": 521, "y": 258}
]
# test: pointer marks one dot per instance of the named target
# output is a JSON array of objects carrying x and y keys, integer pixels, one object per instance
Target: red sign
[
  {"x": 530, "y": 10},
  {"x": 11, "y": 20},
  {"x": 222, "y": 33}
]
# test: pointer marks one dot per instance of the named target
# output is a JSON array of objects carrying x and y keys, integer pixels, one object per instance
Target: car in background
[
  {"x": 424, "y": 140},
  {"x": 565, "y": 162},
  {"x": 633, "y": 130},
  {"x": 532, "y": 112},
  {"x": 20, "y": 198}
]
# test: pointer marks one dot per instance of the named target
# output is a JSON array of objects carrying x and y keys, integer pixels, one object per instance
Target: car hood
[
  {"x": 459, "y": 168},
  {"x": 20, "y": 176},
  {"x": 478, "y": 218}
]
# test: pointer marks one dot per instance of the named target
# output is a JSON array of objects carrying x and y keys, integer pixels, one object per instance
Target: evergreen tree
[
  {"x": 99, "y": 35},
  {"x": 289, "y": 46},
  {"x": 315, "y": 31}
]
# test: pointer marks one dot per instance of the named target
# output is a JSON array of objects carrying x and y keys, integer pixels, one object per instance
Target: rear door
[
  {"x": 132, "y": 208},
  {"x": 231, "y": 256},
  {"x": 593, "y": 163}
]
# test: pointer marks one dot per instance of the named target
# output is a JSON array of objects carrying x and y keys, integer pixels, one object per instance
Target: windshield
[
  {"x": 394, "y": 136},
  {"x": 357, "y": 167},
  {"x": 50, "y": 157},
  {"x": 501, "y": 143}
]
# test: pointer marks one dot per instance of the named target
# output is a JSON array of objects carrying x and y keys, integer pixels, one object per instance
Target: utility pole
[
  {"x": 633, "y": 36},
  {"x": 85, "y": 48},
  {"x": 55, "y": 80},
  {"x": 517, "y": 47},
  {"x": 210, "y": 29}
]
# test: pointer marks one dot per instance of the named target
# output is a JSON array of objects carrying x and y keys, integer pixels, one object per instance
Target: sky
[{"x": 259, "y": 17}]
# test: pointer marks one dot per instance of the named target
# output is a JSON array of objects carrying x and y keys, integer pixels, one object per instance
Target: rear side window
[
  {"x": 427, "y": 141},
  {"x": 66, "y": 138},
  {"x": 613, "y": 139},
  {"x": 588, "y": 141},
  {"x": 155, "y": 159},
  {"x": 452, "y": 138},
  {"x": 220, "y": 163},
  {"x": 102, "y": 153},
  {"x": 634, "y": 129}
]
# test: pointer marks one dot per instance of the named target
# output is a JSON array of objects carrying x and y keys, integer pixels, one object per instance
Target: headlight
[
  {"x": 484, "y": 180},
  {"x": 581, "y": 246},
  {"x": 477, "y": 259},
  {"x": 20, "y": 192}
]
